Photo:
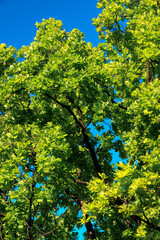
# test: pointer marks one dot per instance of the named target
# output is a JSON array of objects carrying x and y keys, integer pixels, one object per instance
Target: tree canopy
[{"x": 55, "y": 174}]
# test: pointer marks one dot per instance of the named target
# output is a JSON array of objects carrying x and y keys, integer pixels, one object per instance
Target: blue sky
[{"x": 18, "y": 18}]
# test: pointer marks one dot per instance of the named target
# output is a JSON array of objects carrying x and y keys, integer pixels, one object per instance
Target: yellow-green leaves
[{"x": 53, "y": 93}]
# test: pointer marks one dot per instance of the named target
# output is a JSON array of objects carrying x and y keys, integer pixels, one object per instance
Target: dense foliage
[{"x": 55, "y": 174}]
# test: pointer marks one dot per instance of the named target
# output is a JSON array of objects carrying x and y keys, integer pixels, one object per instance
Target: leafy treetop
[{"x": 52, "y": 92}]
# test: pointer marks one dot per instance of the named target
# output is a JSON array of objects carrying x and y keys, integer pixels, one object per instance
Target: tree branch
[
  {"x": 135, "y": 218},
  {"x": 155, "y": 61},
  {"x": 28, "y": 227},
  {"x": 151, "y": 225},
  {"x": 90, "y": 230},
  {"x": 30, "y": 205},
  {"x": 4, "y": 198},
  {"x": 1, "y": 230},
  {"x": 79, "y": 181},
  {"x": 14, "y": 93},
  {"x": 88, "y": 145},
  {"x": 83, "y": 129},
  {"x": 47, "y": 233},
  {"x": 114, "y": 102},
  {"x": 148, "y": 72},
  {"x": 88, "y": 225}
]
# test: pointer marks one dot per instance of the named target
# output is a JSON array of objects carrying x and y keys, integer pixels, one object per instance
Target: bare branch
[{"x": 79, "y": 181}]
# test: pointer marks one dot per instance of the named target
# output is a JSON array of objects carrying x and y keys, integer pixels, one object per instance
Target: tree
[{"x": 52, "y": 92}]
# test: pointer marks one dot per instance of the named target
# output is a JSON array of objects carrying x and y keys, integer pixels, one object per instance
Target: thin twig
[
  {"x": 79, "y": 181},
  {"x": 14, "y": 93},
  {"x": 47, "y": 233}
]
